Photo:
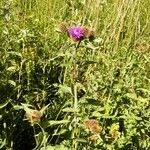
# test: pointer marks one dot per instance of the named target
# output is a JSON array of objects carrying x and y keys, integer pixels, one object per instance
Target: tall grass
[{"x": 43, "y": 107}]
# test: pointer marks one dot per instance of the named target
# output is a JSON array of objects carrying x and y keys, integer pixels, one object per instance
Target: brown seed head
[
  {"x": 63, "y": 27},
  {"x": 93, "y": 126},
  {"x": 34, "y": 115},
  {"x": 91, "y": 33},
  {"x": 143, "y": 47},
  {"x": 85, "y": 31},
  {"x": 88, "y": 32}
]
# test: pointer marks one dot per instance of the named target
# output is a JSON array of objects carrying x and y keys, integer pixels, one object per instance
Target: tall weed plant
[{"x": 87, "y": 95}]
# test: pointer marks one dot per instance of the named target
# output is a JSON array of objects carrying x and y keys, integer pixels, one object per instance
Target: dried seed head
[
  {"x": 91, "y": 33},
  {"x": 63, "y": 27},
  {"x": 143, "y": 47},
  {"x": 88, "y": 32},
  {"x": 34, "y": 115},
  {"x": 85, "y": 31},
  {"x": 93, "y": 126}
]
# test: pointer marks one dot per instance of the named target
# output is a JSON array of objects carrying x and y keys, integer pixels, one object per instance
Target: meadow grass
[{"x": 56, "y": 94}]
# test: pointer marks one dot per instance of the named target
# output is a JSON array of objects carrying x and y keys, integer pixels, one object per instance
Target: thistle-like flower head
[{"x": 76, "y": 33}]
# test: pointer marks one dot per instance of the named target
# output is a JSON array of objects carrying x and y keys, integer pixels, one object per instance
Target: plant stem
[{"x": 75, "y": 97}]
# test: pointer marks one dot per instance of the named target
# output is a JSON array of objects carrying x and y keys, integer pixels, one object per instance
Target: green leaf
[
  {"x": 91, "y": 46},
  {"x": 2, "y": 143},
  {"x": 68, "y": 110},
  {"x": 48, "y": 148},
  {"x": 12, "y": 82},
  {"x": 133, "y": 116},
  {"x": 81, "y": 140},
  {"x": 3, "y": 105},
  {"x": 62, "y": 131},
  {"x": 44, "y": 108},
  {"x": 96, "y": 114},
  {"x": 52, "y": 122},
  {"x": 26, "y": 107},
  {"x": 17, "y": 107},
  {"x": 58, "y": 55},
  {"x": 134, "y": 97},
  {"x": 46, "y": 124},
  {"x": 12, "y": 68},
  {"x": 15, "y": 53},
  {"x": 98, "y": 40},
  {"x": 57, "y": 147},
  {"x": 92, "y": 101},
  {"x": 65, "y": 89}
]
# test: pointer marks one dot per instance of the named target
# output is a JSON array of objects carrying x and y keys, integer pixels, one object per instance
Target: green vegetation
[{"x": 56, "y": 94}]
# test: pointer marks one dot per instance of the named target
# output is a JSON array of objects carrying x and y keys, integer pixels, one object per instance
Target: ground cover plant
[{"x": 74, "y": 74}]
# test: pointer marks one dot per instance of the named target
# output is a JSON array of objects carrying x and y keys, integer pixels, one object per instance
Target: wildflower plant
[
  {"x": 76, "y": 34},
  {"x": 74, "y": 91}
]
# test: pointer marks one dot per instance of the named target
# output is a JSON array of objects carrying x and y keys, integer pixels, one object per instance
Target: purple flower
[{"x": 76, "y": 33}]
